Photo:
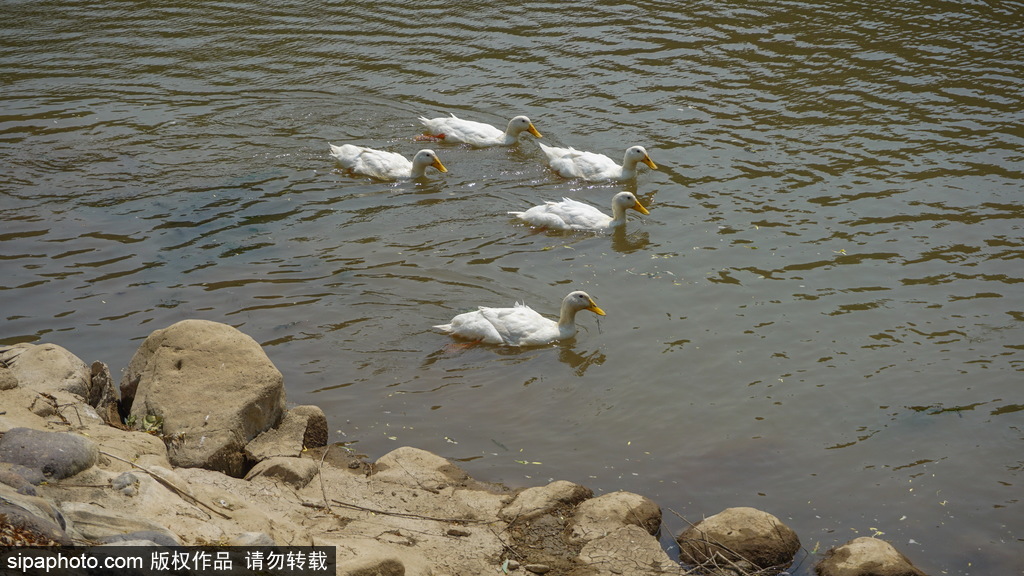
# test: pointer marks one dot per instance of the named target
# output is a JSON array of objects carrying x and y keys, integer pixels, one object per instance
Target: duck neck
[
  {"x": 618, "y": 215},
  {"x": 628, "y": 167},
  {"x": 567, "y": 320},
  {"x": 418, "y": 170}
]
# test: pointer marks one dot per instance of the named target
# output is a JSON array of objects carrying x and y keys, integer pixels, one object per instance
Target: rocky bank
[{"x": 198, "y": 447}]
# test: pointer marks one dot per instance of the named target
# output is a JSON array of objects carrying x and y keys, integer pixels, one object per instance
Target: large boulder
[
  {"x": 208, "y": 389},
  {"x": 740, "y": 535},
  {"x": 866, "y": 556}
]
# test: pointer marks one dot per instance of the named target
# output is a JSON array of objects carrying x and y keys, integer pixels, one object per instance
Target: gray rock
[
  {"x": 98, "y": 524},
  {"x": 30, "y": 520},
  {"x": 741, "y": 535},
  {"x": 866, "y": 556},
  {"x": 213, "y": 387},
  {"x": 21, "y": 478},
  {"x": 55, "y": 455},
  {"x": 136, "y": 543},
  {"x": 126, "y": 483}
]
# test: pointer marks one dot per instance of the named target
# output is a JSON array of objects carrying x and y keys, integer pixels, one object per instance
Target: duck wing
[
  {"x": 573, "y": 163},
  {"x": 520, "y": 325},
  {"x": 455, "y": 129},
  {"x": 376, "y": 163}
]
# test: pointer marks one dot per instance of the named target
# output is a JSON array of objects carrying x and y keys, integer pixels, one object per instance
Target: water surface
[{"x": 821, "y": 317}]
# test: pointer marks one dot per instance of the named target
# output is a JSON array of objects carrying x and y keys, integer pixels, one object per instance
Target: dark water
[{"x": 821, "y": 317}]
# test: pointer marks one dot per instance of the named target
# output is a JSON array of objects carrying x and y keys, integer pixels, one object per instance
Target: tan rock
[
  {"x": 212, "y": 387},
  {"x": 95, "y": 523},
  {"x": 419, "y": 468},
  {"x": 740, "y": 535},
  {"x": 538, "y": 500},
  {"x": 628, "y": 551},
  {"x": 866, "y": 557},
  {"x": 8, "y": 381},
  {"x": 49, "y": 369},
  {"x": 296, "y": 472},
  {"x": 301, "y": 427},
  {"x": 607, "y": 513}
]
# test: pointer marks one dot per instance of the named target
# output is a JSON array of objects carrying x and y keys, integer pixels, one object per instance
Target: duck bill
[
  {"x": 647, "y": 160},
  {"x": 533, "y": 131},
  {"x": 437, "y": 164},
  {"x": 595, "y": 309},
  {"x": 640, "y": 208}
]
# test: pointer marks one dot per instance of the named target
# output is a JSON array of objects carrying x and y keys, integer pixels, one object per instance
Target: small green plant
[{"x": 153, "y": 424}]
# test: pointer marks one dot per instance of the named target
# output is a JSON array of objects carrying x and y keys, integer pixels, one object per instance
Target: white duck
[
  {"x": 385, "y": 165},
  {"x": 477, "y": 133},
  {"x": 572, "y": 163},
  {"x": 521, "y": 325},
  {"x": 572, "y": 215}
]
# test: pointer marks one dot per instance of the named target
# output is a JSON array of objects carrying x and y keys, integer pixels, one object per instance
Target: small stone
[
  {"x": 537, "y": 568},
  {"x": 458, "y": 532},
  {"x": 127, "y": 484}
]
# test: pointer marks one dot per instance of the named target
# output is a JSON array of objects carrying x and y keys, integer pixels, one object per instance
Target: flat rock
[
  {"x": 154, "y": 537},
  {"x": 98, "y": 524},
  {"x": 29, "y": 520},
  {"x": 372, "y": 558},
  {"x": 252, "y": 539},
  {"x": 296, "y": 472},
  {"x": 628, "y": 551}
]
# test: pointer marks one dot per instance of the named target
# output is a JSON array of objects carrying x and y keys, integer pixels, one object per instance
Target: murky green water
[{"x": 821, "y": 317}]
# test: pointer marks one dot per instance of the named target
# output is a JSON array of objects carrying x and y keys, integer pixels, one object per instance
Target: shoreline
[{"x": 197, "y": 447}]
